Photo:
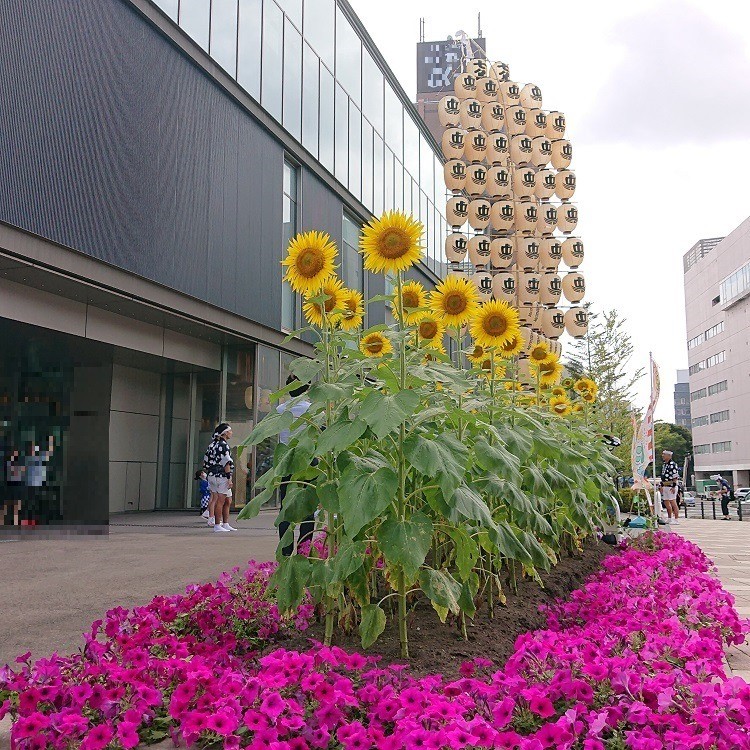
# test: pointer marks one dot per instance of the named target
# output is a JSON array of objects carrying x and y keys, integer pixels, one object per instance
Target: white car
[{"x": 741, "y": 493}]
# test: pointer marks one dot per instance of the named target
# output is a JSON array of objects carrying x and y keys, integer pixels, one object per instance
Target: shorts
[
  {"x": 219, "y": 485},
  {"x": 669, "y": 493}
]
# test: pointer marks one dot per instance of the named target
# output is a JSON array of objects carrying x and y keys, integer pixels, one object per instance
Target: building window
[
  {"x": 352, "y": 273},
  {"x": 224, "y": 34},
  {"x": 704, "y": 364},
  {"x": 310, "y": 99},
  {"x": 292, "y": 80},
  {"x": 273, "y": 59},
  {"x": 289, "y": 302},
  {"x": 716, "y": 388},
  {"x": 720, "y": 416},
  {"x": 723, "y": 447},
  {"x": 736, "y": 285},
  {"x": 700, "y": 421},
  {"x": 700, "y": 393},
  {"x": 248, "y": 46},
  {"x": 706, "y": 448},
  {"x": 706, "y": 335},
  {"x": 195, "y": 19}
]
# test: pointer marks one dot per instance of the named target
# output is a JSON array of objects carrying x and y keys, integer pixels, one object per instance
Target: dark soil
[{"x": 435, "y": 647}]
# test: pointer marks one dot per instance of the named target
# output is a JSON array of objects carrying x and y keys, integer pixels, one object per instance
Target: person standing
[
  {"x": 670, "y": 474},
  {"x": 14, "y": 478},
  {"x": 726, "y": 495},
  {"x": 204, "y": 490},
  {"x": 218, "y": 465}
]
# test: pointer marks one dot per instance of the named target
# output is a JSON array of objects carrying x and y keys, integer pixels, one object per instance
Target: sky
[{"x": 657, "y": 100}]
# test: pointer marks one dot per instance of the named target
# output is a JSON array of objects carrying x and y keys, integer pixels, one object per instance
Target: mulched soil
[{"x": 439, "y": 648}]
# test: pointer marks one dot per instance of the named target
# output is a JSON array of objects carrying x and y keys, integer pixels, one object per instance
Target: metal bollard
[
  {"x": 739, "y": 508},
  {"x": 703, "y": 515},
  {"x": 713, "y": 507}
]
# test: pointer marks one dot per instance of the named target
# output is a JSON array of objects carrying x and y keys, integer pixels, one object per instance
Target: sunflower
[
  {"x": 309, "y": 262},
  {"x": 375, "y": 345},
  {"x": 477, "y": 355},
  {"x": 559, "y": 405},
  {"x": 391, "y": 243},
  {"x": 431, "y": 331},
  {"x": 578, "y": 408},
  {"x": 354, "y": 310},
  {"x": 586, "y": 384},
  {"x": 514, "y": 385},
  {"x": 414, "y": 298},
  {"x": 314, "y": 311},
  {"x": 494, "y": 324},
  {"x": 540, "y": 354},
  {"x": 559, "y": 391},
  {"x": 568, "y": 383},
  {"x": 455, "y": 301},
  {"x": 548, "y": 372},
  {"x": 514, "y": 346},
  {"x": 588, "y": 397}
]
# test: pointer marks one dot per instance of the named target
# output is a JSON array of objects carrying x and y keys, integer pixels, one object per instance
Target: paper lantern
[
  {"x": 527, "y": 253},
  {"x": 541, "y": 151},
  {"x": 504, "y": 287},
  {"x": 502, "y": 252},
  {"x": 567, "y": 217},
  {"x": 498, "y": 182},
  {"x": 498, "y": 149},
  {"x": 536, "y": 122},
  {"x": 547, "y": 219},
  {"x": 577, "y": 322},
  {"x": 465, "y": 86},
  {"x": 555, "y": 125},
  {"x": 524, "y": 182},
  {"x": 545, "y": 183},
  {"x": 493, "y": 116},
  {"x": 483, "y": 283},
  {"x": 479, "y": 213},
  {"x": 510, "y": 93},
  {"x": 460, "y": 273},
  {"x": 532, "y": 316},
  {"x": 456, "y": 245},
  {"x": 478, "y": 67},
  {"x": 479, "y": 250},
  {"x": 574, "y": 287},
  {"x": 526, "y": 217},
  {"x": 453, "y": 142},
  {"x": 457, "y": 211},
  {"x": 531, "y": 96},
  {"x": 471, "y": 114},
  {"x": 529, "y": 287},
  {"x": 454, "y": 174},
  {"x": 565, "y": 184},
  {"x": 502, "y": 215},
  {"x": 556, "y": 348},
  {"x": 553, "y": 323},
  {"x": 550, "y": 253},
  {"x": 487, "y": 89},
  {"x": 551, "y": 289},
  {"x": 520, "y": 149},
  {"x": 572, "y": 252},
  {"x": 476, "y": 145},
  {"x": 515, "y": 120},
  {"x": 500, "y": 71},
  {"x": 449, "y": 111},
  {"x": 562, "y": 154},
  {"x": 476, "y": 179}
]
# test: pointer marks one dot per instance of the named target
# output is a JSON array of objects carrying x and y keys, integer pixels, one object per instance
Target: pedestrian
[
  {"x": 15, "y": 480},
  {"x": 726, "y": 495},
  {"x": 35, "y": 475},
  {"x": 205, "y": 491},
  {"x": 218, "y": 465},
  {"x": 298, "y": 406},
  {"x": 669, "y": 477}
]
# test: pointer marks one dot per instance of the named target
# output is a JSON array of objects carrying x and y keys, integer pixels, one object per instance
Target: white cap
[{"x": 715, "y": 476}]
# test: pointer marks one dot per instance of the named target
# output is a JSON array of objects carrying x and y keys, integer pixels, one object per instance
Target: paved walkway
[{"x": 727, "y": 543}]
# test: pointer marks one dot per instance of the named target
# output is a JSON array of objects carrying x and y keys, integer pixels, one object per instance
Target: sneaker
[
  {"x": 211, "y": 521},
  {"x": 675, "y": 521},
  {"x": 227, "y": 527},
  {"x": 205, "y": 513},
  {"x": 220, "y": 528}
]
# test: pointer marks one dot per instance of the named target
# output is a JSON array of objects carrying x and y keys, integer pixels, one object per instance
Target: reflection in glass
[
  {"x": 224, "y": 34},
  {"x": 248, "y": 53},
  {"x": 352, "y": 273},
  {"x": 292, "y": 80},
  {"x": 273, "y": 44},
  {"x": 390, "y": 202},
  {"x": 348, "y": 57},
  {"x": 342, "y": 135},
  {"x": 326, "y": 119},
  {"x": 169, "y": 7},
  {"x": 319, "y": 28},
  {"x": 379, "y": 177},
  {"x": 268, "y": 383},
  {"x": 355, "y": 150},
  {"x": 367, "y": 164},
  {"x": 293, "y": 9},
  {"x": 372, "y": 91},
  {"x": 398, "y": 185},
  {"x": 426, "y": 166},
  {"x": 310, "y": 92},
  {"x": 239, "y": 413},
  {"x": 289, "y": 229},
  {"x": 394, "y": 123},
  {"x": 411, "y": 146},
  {"x": 195, "y": 20}
]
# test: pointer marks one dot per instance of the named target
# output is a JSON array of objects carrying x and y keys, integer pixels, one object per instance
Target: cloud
[{"x": 682, "y": 78}]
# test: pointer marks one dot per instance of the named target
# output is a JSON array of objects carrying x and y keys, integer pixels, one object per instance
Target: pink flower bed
[{"x": 632, "y": 660}]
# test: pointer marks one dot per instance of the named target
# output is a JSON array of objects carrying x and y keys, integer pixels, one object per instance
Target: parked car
[
  {"x": 741, "y": 493},
  {"x": 689, "y": 497}
]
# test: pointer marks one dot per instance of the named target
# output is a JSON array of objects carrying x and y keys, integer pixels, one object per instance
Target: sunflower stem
[{"x": 330, "y": 536}]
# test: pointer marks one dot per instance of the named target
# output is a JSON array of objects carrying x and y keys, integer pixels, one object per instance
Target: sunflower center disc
[
  {"x": 393, "y": 244},
  {"x": 455, "y": 303},
  {"x": 309, "y": 262},
  {"x": 375, "y": 346},
  {"x": 410, "y": 300},
  {"x": 495, "y": 325},
  {"x": 428, "y": 330}
]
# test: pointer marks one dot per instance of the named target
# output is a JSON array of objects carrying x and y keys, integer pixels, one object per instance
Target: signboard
[{"x": 439, "y": 62}]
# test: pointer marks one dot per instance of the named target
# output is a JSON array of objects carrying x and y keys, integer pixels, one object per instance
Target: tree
[
  {"x": 604, "y": 355},
  {"x": 673, "y": 437}
]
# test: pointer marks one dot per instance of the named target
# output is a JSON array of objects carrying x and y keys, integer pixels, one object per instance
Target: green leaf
[
  {"x": 292, "y": 459},
  {"x": 441, "y": 588},
  {"x": 497, "y": 459},
  {"x": 467, "y": 551},
  {"x": 406, "y": 543},
  {"x": 469, "y": 590},
  {"x": 384, "y": 414},
  {"x": 516, "y": 441},
  {"x": 534, "y": 482},
  {"x": 443, "y": 454},
  {"x": 252, "y": 508},
  {"x": 300, "y": 502},
  {"x": 363, "y": 496},
  {"x": 329, "y": 391},
  {"x": 340, "y": 436},
  {"x": 329, "y": 496},
  {"x": 349, "y": 557},
  {"x": 371, "y": 625},
  {"x": 290, "y": 581},
  {"x": 538, "y": 555},
  {"x": 470, "y": 505},
  {"x": 270, "y": 426},
  {"x": 305, "y": 369},
  {"x": 508, "y": 544}
]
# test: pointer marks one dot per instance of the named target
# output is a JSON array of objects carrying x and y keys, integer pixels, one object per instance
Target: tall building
[
  {"x": 717, "y": 311},
  {"x": 682, "y": 399},
  {"x": 156, "y": 159}
]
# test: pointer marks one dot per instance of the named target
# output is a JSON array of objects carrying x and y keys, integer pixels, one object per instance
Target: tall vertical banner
[{"x": 642, "y": 449}]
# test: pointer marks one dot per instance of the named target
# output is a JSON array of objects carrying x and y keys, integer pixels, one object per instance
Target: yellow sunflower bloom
[
  {"x": 414, "y": 297},
  {"x": 494, "y": 324},
  {"x": 559, "y": 391},
  {"x": 568, "y": 383},
  {"x": 431, "y": 331},
  {"x": 549, "y": 373},
  {"x": 513, "y": 347},
  {"x": 314, "y": 311},
  {"x": 477, "y": 355},
  {"x": 354, "y": 309},
  {"x": 578, "y": 408},
  {"x": 391, "y": 243},
  {"x": 540, "y": 354},
  {"x": 375, "y": 345},
  {"x": 455, "y": 301},
  {"x": 588, "y": 397},
  {"x": 559, "y": 405},
  {"x": 513, "y": 385},
  {"x": 586, "y": 384},
  {"x": 309, "y": 262}
]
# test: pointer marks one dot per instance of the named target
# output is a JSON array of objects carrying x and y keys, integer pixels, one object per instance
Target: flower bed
[{"x": 632, "y": 660}]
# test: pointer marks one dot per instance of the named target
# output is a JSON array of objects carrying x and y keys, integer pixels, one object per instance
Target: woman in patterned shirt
[
  {"x": 669, "y": 476},
  {"x": 218, "y": 465}
]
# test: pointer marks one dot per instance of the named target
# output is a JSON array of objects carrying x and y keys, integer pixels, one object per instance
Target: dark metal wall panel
[{"x": 320, "y": 208}]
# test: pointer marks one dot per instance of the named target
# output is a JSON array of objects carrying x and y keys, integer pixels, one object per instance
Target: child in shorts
[{"x": 205, "y": 492}]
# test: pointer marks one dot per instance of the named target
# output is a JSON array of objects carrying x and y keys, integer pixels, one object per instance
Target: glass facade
[
  {"x": 309, "y": 68},
  {"x": 289, "y": 300},
  {"x": 735, "y": 286},
  {"x": 352, "y": 270}
]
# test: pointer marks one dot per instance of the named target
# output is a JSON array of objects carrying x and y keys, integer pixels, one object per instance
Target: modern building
[
  {"x": 717, "y": 311},
  {"x": 682, "y": 400},
  {"x": 156, "y": 159}
]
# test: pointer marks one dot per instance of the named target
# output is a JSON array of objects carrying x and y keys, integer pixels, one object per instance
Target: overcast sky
[{"x": 657, "y": 100}]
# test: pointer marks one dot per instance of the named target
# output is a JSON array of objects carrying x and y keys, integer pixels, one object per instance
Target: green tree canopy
[{"x": 673, "y": 437}]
